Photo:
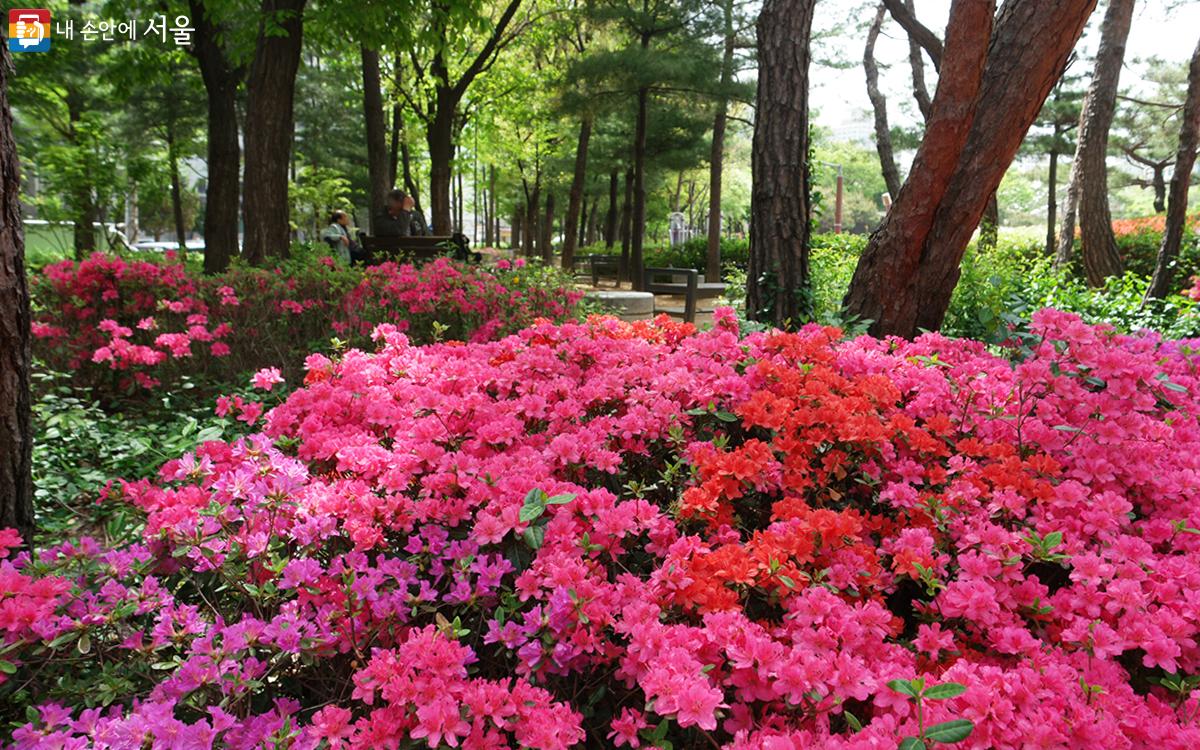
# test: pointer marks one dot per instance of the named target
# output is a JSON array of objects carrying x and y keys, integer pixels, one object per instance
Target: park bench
[
  {"x": 608, "y": 266},
  {"x": 680, "y": 282},
  {"x": 414, "y": 249}
]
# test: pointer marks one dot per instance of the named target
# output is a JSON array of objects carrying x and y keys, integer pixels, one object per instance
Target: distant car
[{"x": 150, "y": 246}]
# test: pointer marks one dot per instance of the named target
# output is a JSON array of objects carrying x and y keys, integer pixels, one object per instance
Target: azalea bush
[
  {"x": 639, "y": 535},
  {"x": 119, "y": 324}
]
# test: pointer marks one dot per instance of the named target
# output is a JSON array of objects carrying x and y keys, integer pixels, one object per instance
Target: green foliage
[
  {"x": 315, "y": 193},
  {"x": 1003, "y": 286},
  {"x": 83, "y": 443}
]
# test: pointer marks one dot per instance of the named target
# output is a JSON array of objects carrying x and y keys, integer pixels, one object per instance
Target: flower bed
[
  {"x": 636, "y": 535},
  {"x": 116, "y": 322}
]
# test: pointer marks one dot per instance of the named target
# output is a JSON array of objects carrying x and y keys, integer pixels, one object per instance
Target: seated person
[
  {"x": 337, "y": 235},
  {"x": 396, "y": 218}
]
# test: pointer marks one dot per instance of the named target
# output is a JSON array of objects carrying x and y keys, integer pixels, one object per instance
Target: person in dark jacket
[{"x": 396, "y": 219}]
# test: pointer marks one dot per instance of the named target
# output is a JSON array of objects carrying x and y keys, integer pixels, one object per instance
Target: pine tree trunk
[
  {"x": 574, "y": 203},
  {"x": 547, "y": 239},
  {"x": 883, "y": 132},
  {"x": 1052, "y": 196},
  {"x": 590, "y": 235},
  {"x": 378, "y": 167},
  {"x": 221, "y": 78},
  {"x": 989, "y": 225},
  {"x": 270, "y": 95},
  {"x": 712, "y": 257},
  {"x": 626, "y": 227},
  {"x": 1066, "y": 229},
  {"x": 982, "y": 109},
  {"x": 1160, "y": 188},
  {"x": 515, "y": 238},
  {"x": 637, "y": 230},
  {"x": 777, "y": 289},
  {"x": 16, "y": 432},
  {"x": 1101, "y": 257},
  {"x": 917, "y": 63},
  {"x": 610, "y": 220},
  {"x": 176, "y": 194},
  {"x": 82, "y": 200},
  {"x": 1162, "y": 282}
]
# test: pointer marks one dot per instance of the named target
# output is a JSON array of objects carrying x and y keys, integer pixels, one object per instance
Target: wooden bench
[
  {"x": 608, "y": 266},
  {"x": 418, "y": 249},
  {"x": 680, "y": 282}
]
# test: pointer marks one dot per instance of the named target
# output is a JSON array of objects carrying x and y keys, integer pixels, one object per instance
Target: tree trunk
[
  {"x": 716, "y": 161},
  {"x": 1101, "y": 257},
  {"x": 610, "y": 220},
  {"x": 982, "y": 109},
  {"x": 777, "y": 286},
  {"x": 410, "y": 181},
  {"x": 1066, "y": 229},
  {"x": 221, "y": 78},
  {"x": 459, "y": 204},
  {"x": 547, "y": 241},
  {"x": 1160, "y": 187},
  {"x": 176, "y": 194},
  {"x": 574, "y": 203},
  {"x": 589, "y": 237},
  {"x": 1162, "y": 281},
  {"x": 378, "y": 167},
  {"x": 637, "y": 230},
  {"x": 494, "y": 229},
  {"x": 83, "y": 202},
  {"x": 270, "y": 94},
  {"x": 883, "y": 132},
  {"x": 917, "y": 63},
  {"x": 1052, "y": 194},
  {"x": 626, "y": 227},
  {"x": 515, "y": 238},
  {"x": 989, "y": 225},
  {"x": 531, "y": 234},
  {"x": 16, "y": 432}
]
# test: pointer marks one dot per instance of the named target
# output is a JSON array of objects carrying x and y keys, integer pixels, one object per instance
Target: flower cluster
[
  {"x": 632, "y": 534},
  {"x": 118, "y": 323}
]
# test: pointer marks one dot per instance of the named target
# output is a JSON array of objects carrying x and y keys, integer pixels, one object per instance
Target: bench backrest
[
  {"x": 608, "y": 266},
  {"x": 669, "y": 280}
]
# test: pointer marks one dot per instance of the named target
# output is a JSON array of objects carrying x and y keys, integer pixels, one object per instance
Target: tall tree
[
  {"x": 716, "y": 161},
  {"x": 575, "y": 198},
  {"x": 991, "y": 86},
  {"x": 1089, "y": 171},
  {"x": 379, "y": 170},
  {"x": 221, "y": 79},
  {"x": 16, "y": 434},
  {"x": 441, "y": 78},
  {"x": 1056, "y": 123},
  {"x": 883, "y": 132},
  {"x": 1185, "y": 159},
  {"x": 270, "y": 97},
  {"x": 777, "y": 286}
]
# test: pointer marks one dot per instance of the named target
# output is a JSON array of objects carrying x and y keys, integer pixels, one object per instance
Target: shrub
[
  {"x": 116, "y": 322},
  {"x": 639, "y": 535}
]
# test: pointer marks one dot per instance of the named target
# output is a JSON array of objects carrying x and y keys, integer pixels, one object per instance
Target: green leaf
[
  {"x": 163, "y": 666},
  {"x": 950, "y": 731},
  {"x": 531, "y": 512},
  {"x": 560, "y": 499},
  {"x": 911, "y": 743},
  {"x": 904, "y": 687},
  {"x": 535, "y": 536},
  {"x": 1052, "y": 540},
  {"x": 7, "y": 667},
  {"x": 84, "y": 644},
  {"x": 945, "y": 690},
  {"x": 852, "y": 721},
  {"x": 787, "y": 581},
  {"x": 725, "y": 416}
]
